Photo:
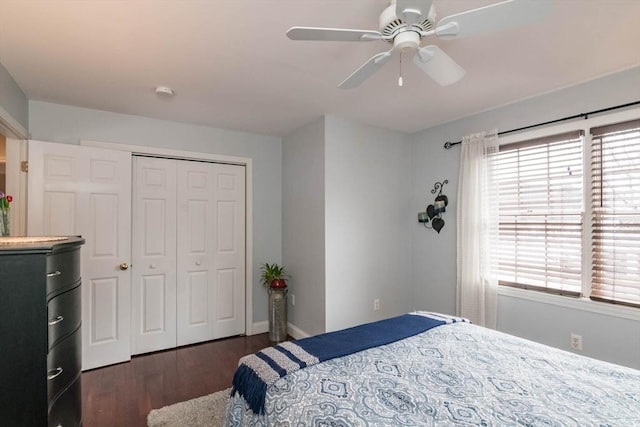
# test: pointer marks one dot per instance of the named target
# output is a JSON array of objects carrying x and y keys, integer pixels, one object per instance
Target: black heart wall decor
[
  {"x": 437, "y": 224},
  {"x": 431, "y": 211},
  {"x": 432, "y": 216}
]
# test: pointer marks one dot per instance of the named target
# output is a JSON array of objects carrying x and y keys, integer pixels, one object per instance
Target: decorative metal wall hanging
[{"x": 432, "y": 216}]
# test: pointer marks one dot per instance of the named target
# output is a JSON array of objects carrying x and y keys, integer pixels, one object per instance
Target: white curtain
[{"x": 477, "y": 230}]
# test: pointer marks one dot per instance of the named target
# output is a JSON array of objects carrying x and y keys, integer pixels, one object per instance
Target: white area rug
[{"x": 205, "y": 411}]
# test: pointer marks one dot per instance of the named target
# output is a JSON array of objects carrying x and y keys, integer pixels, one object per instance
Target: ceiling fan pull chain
[{"x": 400, "y": 78}]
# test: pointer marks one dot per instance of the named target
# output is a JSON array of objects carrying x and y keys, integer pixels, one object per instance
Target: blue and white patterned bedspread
[{"x": 458, "y": 374}]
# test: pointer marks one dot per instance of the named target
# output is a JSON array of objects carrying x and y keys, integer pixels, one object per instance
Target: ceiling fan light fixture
[{"x": 408, "y": 40}]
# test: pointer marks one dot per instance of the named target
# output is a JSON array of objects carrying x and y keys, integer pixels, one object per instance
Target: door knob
[{"x": 124, "y": 266}]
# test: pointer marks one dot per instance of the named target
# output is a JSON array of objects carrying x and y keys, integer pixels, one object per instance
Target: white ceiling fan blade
[
  {"x": 438, "y": 65},
  {"x": 366, "y": 70},
  {"x": 332, "y": 34},
  {"x": 411, "y": 10},
  {"x": 495, "y": 17}
]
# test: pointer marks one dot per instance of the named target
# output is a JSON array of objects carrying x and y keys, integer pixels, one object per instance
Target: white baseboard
[
  {"x": 293, "y": 330},
  {"x": 296, "y": 332},
  {"x": 260, "y": 327}
]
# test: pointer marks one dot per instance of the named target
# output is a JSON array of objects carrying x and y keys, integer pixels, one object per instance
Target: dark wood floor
[{"x": 123, "y": 394}]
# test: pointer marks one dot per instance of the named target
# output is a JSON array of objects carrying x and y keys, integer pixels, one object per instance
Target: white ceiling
[{"x": 231, "y": 65}]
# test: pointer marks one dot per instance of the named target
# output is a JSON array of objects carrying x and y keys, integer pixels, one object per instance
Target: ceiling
[{"x": 232, "y": 66}]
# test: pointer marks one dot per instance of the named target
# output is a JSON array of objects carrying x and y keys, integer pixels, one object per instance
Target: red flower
[{"x": 9, "y": 198}]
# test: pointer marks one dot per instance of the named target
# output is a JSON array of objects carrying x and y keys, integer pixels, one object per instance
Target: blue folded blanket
[{"x": 258, "y": 371}]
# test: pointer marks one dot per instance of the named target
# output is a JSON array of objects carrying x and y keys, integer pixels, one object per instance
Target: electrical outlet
[
  {"x": 576, "y": 342},
  {"x": 293, "y": 299},
  {"x": 376, "y": 304}
]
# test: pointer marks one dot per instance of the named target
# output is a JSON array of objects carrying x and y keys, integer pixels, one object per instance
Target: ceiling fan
[{"x": 405, "y": 23}]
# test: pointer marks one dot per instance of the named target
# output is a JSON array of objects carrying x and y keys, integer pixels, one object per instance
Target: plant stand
[{"x": 277, "y": 314}]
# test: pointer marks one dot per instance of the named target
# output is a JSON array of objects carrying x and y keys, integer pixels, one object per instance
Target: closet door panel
[
  {"x": 153, "y": 301},
  {"x": 195, "y": 252},
  {"x": 227, "y": 285},
  {"x": 154, "y": 255},
  {"x": 229, "y": 250},
  {"x": 198, "y": 294}
]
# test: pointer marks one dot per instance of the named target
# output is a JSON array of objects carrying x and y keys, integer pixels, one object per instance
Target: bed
[{"x": 453, "y": 373}]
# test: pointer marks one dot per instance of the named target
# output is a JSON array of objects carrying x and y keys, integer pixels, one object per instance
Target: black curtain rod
[{"x": 448, "y": 145}]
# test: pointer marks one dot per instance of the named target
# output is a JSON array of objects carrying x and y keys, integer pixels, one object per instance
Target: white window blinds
[
  {"x": 540, "y": 214},
  {"x": 615, "y": 195}
]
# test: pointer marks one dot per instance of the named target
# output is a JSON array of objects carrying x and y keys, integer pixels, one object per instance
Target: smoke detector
[{"x": 164, "y": 91}]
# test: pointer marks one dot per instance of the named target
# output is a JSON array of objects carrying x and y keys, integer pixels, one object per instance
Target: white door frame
[
  {"x": 10, "y": 127},
  {"x": 17, "y": 137},
  {"x": 17, "y": 185},
  {"x": 218, "y": 158}
]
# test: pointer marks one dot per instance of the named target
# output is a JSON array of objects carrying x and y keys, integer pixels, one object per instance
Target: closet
[{"x": 188, "y": 252}]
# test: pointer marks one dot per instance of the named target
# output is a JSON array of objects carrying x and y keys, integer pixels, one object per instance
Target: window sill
[{"x": 584, "y": 304}]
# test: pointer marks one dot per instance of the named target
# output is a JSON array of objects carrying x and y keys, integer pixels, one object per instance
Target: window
[
  {"x": 540, "y": 214},
  {"x": 544, "y": 218},
  {"x": 615, "y": 196}
]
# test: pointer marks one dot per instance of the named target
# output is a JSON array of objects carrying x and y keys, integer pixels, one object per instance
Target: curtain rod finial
[{"x": 449, "y": 144}]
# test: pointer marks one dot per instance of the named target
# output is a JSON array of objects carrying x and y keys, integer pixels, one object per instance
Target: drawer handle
[
  {"x": 56, "y": 320},
  {"x": 54, "y": 274},
  {"x": 54, "y": 373}
]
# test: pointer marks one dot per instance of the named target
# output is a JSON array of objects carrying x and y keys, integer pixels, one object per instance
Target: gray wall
[
  {"x": 346, "y": 223},
  {"x": 605, "y": 337},
  {"x": 368, "y": 222},
  {"x": 12, "y": 99},
  {"x": 303, "y": 230},
  {"x": 69, "y": 125},
  {"x": 434, "y": 270}
]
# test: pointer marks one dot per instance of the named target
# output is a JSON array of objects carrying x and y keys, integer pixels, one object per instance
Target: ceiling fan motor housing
[
  {"x": 391, "y": 25},
  {"x": 407, "y": 40}
]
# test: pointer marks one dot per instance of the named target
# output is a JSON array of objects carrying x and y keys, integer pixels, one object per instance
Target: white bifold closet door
[
  {"x": 188, "y": 252},
  {"x": 211, "y": 251},
  {"x": 153, "y": 251}
]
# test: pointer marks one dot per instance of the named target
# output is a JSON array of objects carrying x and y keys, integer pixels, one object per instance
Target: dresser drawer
[
  {"x": 64, "y": 362},
  {"x": 66, "y": 410},
  {"x": 63, "y": 270},
  {"x": 64, "y": 314}
]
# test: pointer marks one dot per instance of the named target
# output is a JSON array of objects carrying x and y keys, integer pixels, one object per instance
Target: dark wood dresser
[{"x": 40, "y": 337}]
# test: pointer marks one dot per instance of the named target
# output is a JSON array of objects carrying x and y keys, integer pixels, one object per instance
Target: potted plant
[
  {"x": 273, "y": 276},
  {"x": 4, "y": 214}
]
